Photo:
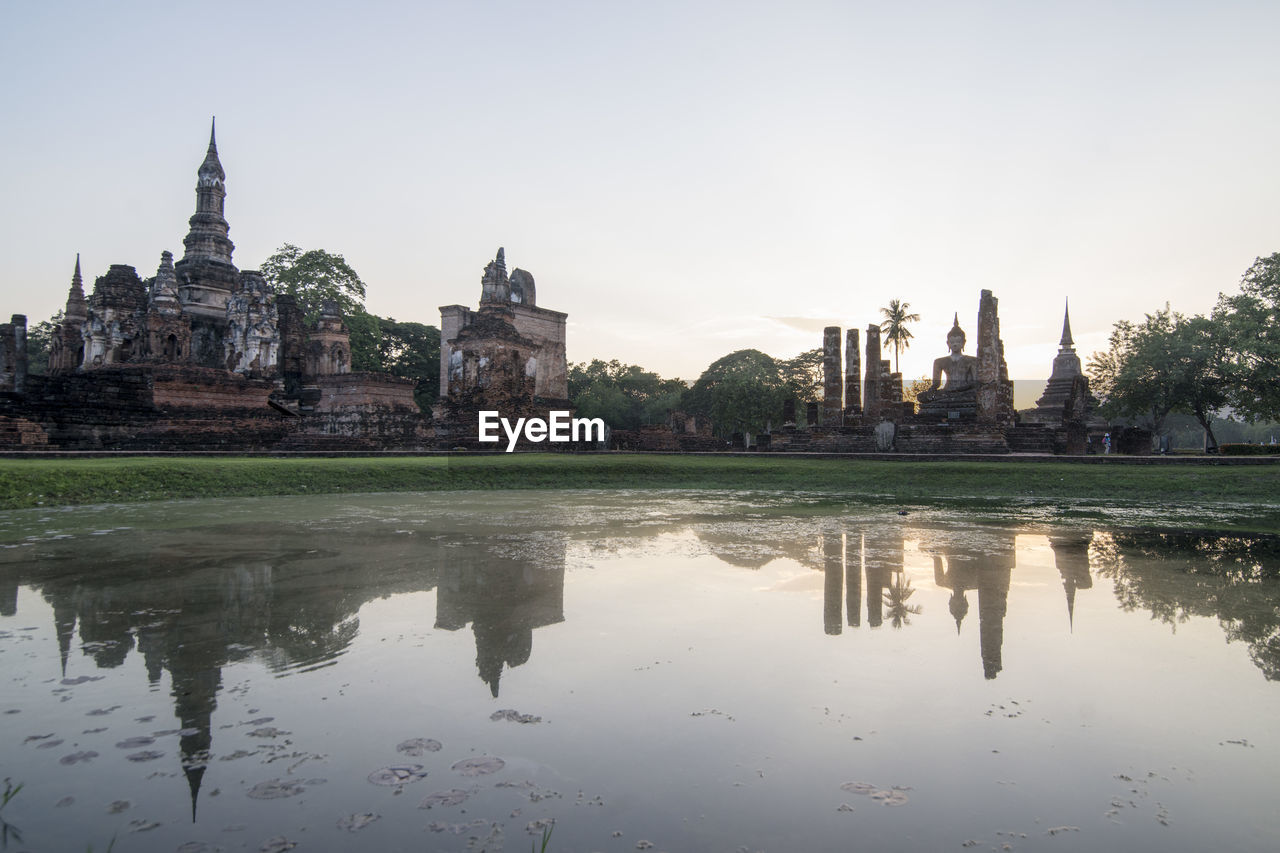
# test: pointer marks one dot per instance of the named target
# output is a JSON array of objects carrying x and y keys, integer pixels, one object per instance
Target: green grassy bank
[{"x": 1147, "y": 490}]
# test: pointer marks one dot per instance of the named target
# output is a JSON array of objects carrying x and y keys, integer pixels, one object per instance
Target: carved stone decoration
[
  {"x": 886, "y": 434},
  {"x": 253, "y": 335}
]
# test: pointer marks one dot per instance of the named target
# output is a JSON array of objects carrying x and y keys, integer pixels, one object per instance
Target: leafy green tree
[
  {"x": 378, "y": 344},
  {"x": 1168, "y": 363},
  {"x": 39, "y": 340},
  {"x": 895, "y": 328},
  {"x": 1251, "y": 320},
  {"x": 312, "y": 277},
  {"x": 625, "y": 396},
  {"x": 412, "y": 350},
  {"x": 741, "y": 392},
  {"x": 803, "y": 375}
]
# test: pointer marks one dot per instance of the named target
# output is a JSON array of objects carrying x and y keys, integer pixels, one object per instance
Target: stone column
[
  {"x": 832, "y": 383},
  {"x": 852, "y": 375},
  {"x": 995, "y": 393},
  {"x": 871, "y": 385}
]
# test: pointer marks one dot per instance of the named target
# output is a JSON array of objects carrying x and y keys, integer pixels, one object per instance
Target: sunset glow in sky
[{"x": 684, "y": 179}]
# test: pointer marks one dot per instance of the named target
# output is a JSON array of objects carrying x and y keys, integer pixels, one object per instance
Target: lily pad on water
[
  {"x": 451, "y": 797},
  {"x": 863, "y": 788},
  {"x": 514, "y": 716},
  {"x": 268, "y": 731},
  {"x": 481, "y": 766},
  {"x": 418, "y": 745},
  {"x": 276, "y": 789},
  {"x": 77, "y": 757},
  {"x": 357, "y": 822},
  {"x": 397, "y": 775},
  {"x": 279, "y": 844},
  {"x": 890, "y": 797},
  {"x": 49, "y": 744},
  {"x": 145, "y": 755},
  {"x": 135, "y": 742}
]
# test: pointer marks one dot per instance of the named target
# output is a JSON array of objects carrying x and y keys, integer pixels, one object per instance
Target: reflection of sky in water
[{"x": 700, "y": 671}]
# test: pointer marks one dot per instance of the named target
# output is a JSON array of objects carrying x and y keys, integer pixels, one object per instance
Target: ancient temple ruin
[
  {"x": 863, "y": 408},
  {"x": 202, "y": 355},
  {"x": 506, "y": 356}
]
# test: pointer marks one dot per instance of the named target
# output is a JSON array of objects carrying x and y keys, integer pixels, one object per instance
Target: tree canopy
[
  {"x": 741, "y": 392},
  {"x": 378, "y": 344},
  {"x": 1168, "y": 363},
  {"x": 312, "y": 277},
  {"x": 1251, "y": 322},
  {"x": 625, "y": 396}
]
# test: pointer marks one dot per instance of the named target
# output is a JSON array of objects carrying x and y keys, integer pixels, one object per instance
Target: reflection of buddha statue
[{"x": 961, "y": 371}]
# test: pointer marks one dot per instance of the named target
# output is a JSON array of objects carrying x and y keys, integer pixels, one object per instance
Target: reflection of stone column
[
  {"x": 871, "y": 385},
  {"x": 832, "y": 390},
  {"x": 993, "y": 600},
  {"x": 884, "y": 557},
  {"x": 833, "y": 570},
  {"x": 8, "y": 597},
  {"x": 853, "y": 579},
  {"x": 852, "y": 375}
]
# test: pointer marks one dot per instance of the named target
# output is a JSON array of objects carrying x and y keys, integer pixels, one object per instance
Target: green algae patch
[{"x": 1190, "y": 496}]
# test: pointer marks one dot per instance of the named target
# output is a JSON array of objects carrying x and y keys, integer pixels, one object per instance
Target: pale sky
[{"x": 684, "y": 179}]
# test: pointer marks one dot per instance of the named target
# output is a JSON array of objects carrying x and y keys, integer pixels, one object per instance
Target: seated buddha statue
[{"x": 959, "y": 394}]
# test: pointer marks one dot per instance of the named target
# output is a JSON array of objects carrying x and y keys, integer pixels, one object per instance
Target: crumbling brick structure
[{"x": 172, "y": 360}]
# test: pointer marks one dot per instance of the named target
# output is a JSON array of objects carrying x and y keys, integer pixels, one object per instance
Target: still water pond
[{"x": 672, "y": 671}]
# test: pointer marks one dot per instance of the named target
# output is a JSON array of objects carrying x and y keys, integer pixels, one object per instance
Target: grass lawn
[{"x": 1249, "y": 494}]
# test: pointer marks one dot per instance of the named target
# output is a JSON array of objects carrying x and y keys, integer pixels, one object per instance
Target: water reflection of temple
[
  {"x": 284, "y": 600},
  {"x": 984, "y": 567},
  {"x": 504, "y": 601},
  {"x": 979, "y": 562}
]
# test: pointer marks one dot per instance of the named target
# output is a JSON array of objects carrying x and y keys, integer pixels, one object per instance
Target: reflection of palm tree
[
  {"x": 895, "y": 601},
  {"x": 895, "y": 328}
]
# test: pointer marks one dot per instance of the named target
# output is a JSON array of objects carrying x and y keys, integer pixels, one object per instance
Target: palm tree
[
  {"x": 895, "y": 600},
  {"x": 895, "y": 328}
]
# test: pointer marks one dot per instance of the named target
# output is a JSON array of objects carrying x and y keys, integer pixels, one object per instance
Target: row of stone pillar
[{"x": 841, "y": 399}]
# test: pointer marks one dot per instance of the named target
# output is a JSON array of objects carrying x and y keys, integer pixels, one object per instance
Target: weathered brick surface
[{"x": 193, "y": 408}]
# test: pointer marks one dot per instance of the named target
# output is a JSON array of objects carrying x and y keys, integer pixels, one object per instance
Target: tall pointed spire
[
  {"x": 1066, "y": 343},
  {"x": 77, "y": 309},
  {"x": 207, "y": 240}
]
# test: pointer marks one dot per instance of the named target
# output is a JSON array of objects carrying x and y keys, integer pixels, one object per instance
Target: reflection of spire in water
[
  {"x": 1071, "y": 556},
  {"x": 64, "y": 623},
  {"x": 959, "y": 607}
]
